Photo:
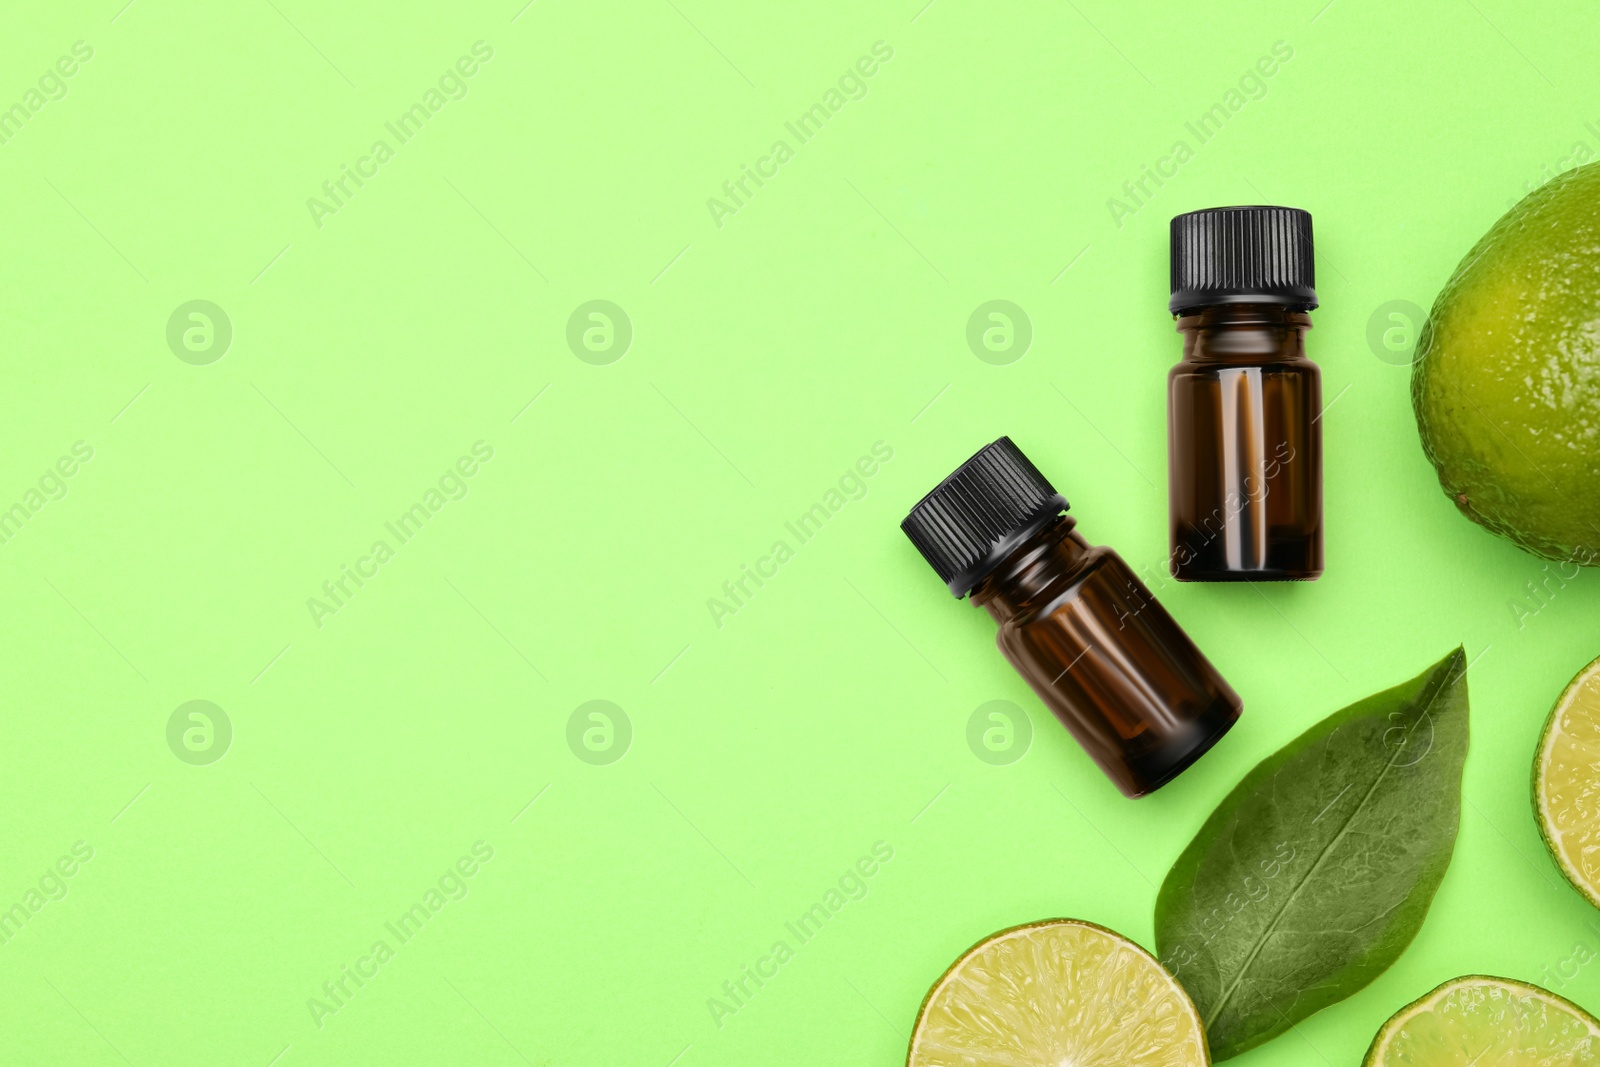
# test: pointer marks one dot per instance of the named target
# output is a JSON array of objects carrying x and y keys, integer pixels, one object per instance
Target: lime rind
[{"x": 1504, "y": 384}]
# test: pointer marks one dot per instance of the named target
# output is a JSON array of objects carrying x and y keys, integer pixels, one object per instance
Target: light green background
[{"x": 768, "y": 353}]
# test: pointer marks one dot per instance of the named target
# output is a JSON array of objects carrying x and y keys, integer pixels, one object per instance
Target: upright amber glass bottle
[
  {"x": 1074, "y": 620},
  {"x": 1244, "y": 442}
]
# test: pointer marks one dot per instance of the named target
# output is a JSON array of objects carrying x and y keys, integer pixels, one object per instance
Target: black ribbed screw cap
[
  {"x": 1242, "y": 255},
  {"x": 974, "y": 518}
]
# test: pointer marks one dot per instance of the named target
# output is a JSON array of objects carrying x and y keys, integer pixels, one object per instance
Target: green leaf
[{"x": 1317, "y": 870}]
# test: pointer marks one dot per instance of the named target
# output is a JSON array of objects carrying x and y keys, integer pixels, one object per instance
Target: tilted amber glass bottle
[
  {"x": 1075, "y": 621},
  {"x": 1244, "y": 444}
]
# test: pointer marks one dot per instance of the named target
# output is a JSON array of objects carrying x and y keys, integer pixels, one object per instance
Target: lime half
[
  {"x": 1566, "y": 783},
  {"x": 1487, "y": 1022},
  {"x": 1059, "y": 993}
]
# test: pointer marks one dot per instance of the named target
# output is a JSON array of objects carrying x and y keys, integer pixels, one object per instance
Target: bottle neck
[
  {"x": 1033, "y": 571},
  {"x": 1245, "y": 333}
]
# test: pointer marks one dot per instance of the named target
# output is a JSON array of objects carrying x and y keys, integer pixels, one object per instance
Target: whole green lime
[{"x": 1506, "y": 385}]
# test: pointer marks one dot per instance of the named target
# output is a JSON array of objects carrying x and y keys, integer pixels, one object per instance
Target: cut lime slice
[
  {"x": 1566, "y": 783},
  {"x": 1477, "y": 1021},
  {"x": 1059, "y": 993}
]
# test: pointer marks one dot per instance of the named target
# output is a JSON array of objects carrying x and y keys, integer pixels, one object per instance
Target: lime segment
[
  {"x": 1060, "y": 993},
  {"x": 1566, "y": 783},
  {"x": 1488, "y": 1022}
]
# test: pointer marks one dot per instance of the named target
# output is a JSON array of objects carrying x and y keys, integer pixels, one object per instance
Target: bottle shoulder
[
  {"x": 1245, "y": 335},
  {"x": 1063, "y": 588},
  {"x": 1212, "y": 367}
]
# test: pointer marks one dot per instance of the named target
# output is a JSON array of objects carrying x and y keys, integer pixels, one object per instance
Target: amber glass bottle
[
  {"x": 1244, "y": 443},
  {"x": 1074, "y": 620}
]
